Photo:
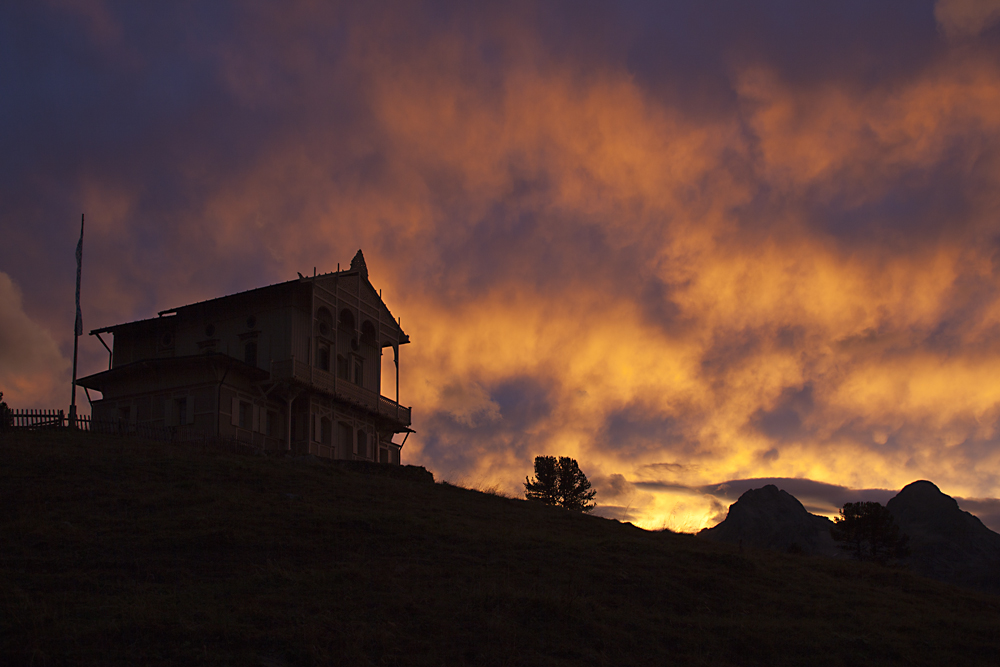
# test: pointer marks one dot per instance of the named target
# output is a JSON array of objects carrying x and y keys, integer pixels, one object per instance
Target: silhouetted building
[{"x": 296, "y": 365}]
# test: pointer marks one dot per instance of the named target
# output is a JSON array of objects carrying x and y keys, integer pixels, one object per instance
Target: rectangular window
[
  {"x": 180, "y": 410},
  {"x": 344, "y": 438},
  {"x": 124, "y": 414},
  {"x": 272, "y": 423},
  {"x": 362, "y": 448},
  {"x": 323, "y": 357},
  {"x": 246, "y": 414},
  {"x": 250, "y": 353},
  {"x": 342, "y": 367},
  {"x": 359, "y": 372}
]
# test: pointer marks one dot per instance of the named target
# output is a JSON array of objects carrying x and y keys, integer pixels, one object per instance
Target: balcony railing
[{"x": 292, "y": 369}]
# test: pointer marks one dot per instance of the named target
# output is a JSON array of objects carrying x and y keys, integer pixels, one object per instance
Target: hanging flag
[{"x": 79, "y": 265}]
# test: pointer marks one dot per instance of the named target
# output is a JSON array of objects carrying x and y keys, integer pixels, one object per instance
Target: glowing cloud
[
  {"x": 966, "y": 17},
  {"x": 728, "y": 255}
]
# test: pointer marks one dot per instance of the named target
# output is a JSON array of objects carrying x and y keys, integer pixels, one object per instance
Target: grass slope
[{"x": 119, "y": 552}]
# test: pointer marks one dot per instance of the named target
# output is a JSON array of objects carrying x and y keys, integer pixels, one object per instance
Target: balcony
[{"x": 345, "y": 390}]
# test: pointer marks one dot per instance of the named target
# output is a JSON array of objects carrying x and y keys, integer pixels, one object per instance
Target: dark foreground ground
[{"x": 130, "y": 553}]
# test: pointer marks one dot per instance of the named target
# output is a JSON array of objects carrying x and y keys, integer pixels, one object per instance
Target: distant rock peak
[{"x": 772, "y": 518}]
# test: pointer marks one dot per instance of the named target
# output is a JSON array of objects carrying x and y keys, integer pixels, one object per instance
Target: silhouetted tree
[
  {"x": 6, "y": 415},
  {"x": 544, "y": 488},
  {"x": 574, "y": 487},
  {"x": 869, "y": 532},
  {"x": 560, "y": 482}
]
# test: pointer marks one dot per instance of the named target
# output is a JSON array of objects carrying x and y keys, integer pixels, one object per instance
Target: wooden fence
[
  {"x": 38, "y": 419},
  {"x": 46, "y": 419}
]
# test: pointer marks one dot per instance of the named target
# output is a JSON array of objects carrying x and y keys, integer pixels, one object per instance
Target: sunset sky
[{"x": 694, "y": 245}]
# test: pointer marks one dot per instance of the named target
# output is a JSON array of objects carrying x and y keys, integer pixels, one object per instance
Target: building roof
[
  {"x": 144, "y": 366},
  {"x": 358, "y": 267}
]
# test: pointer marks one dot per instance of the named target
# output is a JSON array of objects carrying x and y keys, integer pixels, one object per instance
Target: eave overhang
[{"x": 218, "y": 360}]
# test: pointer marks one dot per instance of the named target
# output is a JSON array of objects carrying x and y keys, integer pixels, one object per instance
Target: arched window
[{"x": 324, "y": 321}]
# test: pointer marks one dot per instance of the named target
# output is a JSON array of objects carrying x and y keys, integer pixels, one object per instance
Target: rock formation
[
  {"x": 770, "y": 518},
  {"x": 946, "y": 543}
]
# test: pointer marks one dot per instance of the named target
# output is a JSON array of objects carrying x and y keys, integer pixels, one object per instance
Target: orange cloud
[
  {"x": 754, "y": 314},
  {"x": 798, "y": 283},
  {"x": 960, "y": 18}
]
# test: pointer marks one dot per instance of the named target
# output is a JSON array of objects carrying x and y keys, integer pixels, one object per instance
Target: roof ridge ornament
[{"x": 358, "y": 264}]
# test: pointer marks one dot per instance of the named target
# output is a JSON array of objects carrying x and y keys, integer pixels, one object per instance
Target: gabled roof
[{"x": 358, "y": 267}]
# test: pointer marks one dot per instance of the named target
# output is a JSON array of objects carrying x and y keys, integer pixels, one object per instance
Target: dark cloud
[
  {"x": 819, "y": 495},
  {"x": 731, "y": 349},
  {"x": 784, "y": 421},
  {"x": 613, "y": 486},
  {"x": 524, "y": 402},
  {"x": 475, "y": 423},
  {"x": 641, "y": 429},
  {"x": 653, "y": 468}
]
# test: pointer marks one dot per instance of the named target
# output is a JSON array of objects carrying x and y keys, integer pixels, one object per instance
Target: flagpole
[{"x": 78, "y": 326}]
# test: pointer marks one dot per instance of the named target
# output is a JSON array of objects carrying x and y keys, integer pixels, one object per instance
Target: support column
[{"x": 288, "y": 430}]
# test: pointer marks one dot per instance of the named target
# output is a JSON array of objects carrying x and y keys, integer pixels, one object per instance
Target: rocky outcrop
[
  {"x": 769, "y": 518},
  {"x": 946, "y": 543}
]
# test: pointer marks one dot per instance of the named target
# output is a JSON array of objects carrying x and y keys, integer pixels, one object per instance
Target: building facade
[{"x": 294, "y": 366}]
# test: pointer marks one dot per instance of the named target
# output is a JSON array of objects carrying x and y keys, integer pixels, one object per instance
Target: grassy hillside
[{"x": 119, "y": 552}]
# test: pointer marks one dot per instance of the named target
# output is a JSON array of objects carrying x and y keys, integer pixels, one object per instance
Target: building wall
[
  {"x": 194, "y": 405},
  {"x": 339, "y": 432},
  {"x": 280, "y": 322},
  {"x": 245, "y": 416}
]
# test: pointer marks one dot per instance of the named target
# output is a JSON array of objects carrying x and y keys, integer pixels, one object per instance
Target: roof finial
[{"x": 358, "y": 264}]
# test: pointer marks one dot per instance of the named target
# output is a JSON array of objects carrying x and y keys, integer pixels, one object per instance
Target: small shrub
[{"x": 6, "y": 415}]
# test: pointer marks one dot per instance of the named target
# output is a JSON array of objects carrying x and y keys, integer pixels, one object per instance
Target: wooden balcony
[{"x": 345, "y": 390}]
